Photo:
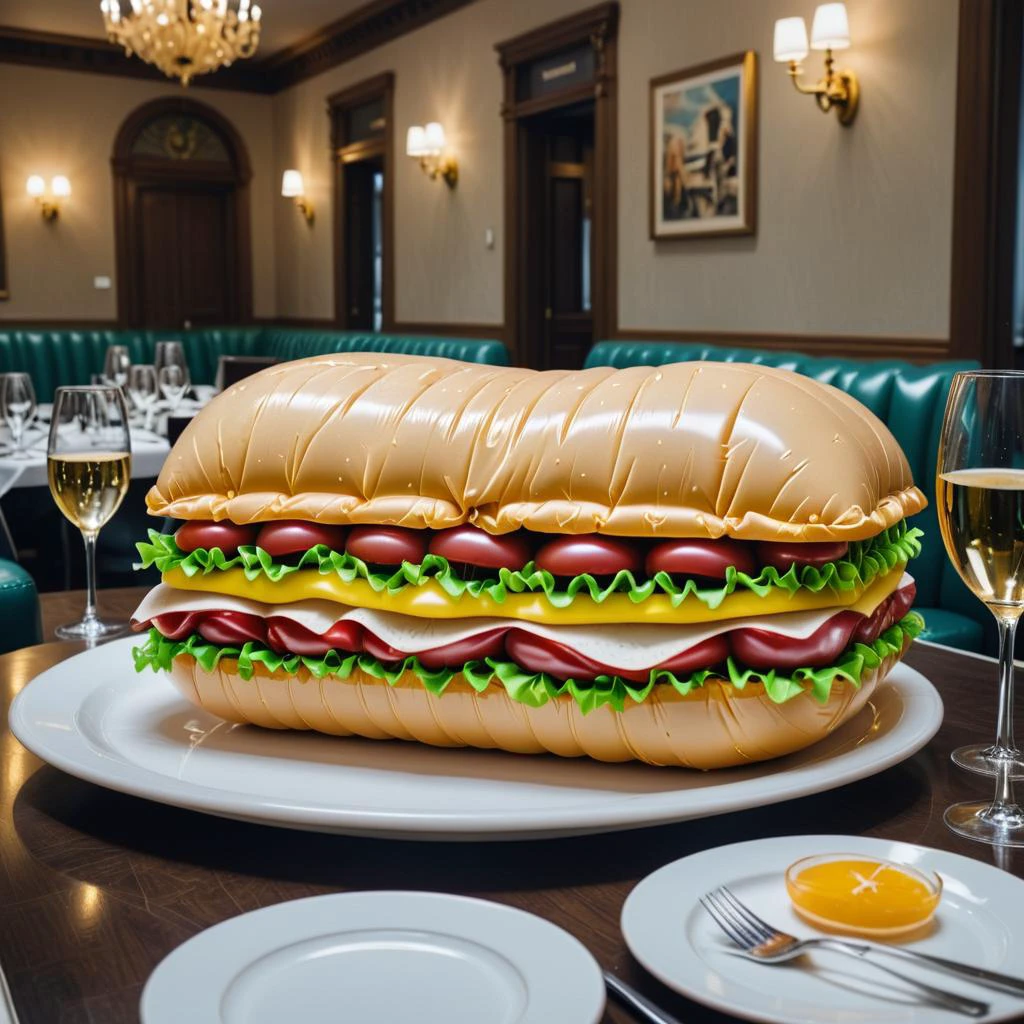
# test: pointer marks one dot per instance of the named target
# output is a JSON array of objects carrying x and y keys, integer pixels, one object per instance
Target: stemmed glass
[
  {"x": 116, "y": 364},
  {"x": 144, "y": 391},
  {"x": 170, "y": 353},
  {"x": 173, "y": 381},
  {"x": 18, "y": 400},
  {"x": 88, "y": 466},
  {"x": 981, "y": 516}
]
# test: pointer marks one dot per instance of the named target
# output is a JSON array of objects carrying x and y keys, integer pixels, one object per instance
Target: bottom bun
[{"x": 714, "y": 726}]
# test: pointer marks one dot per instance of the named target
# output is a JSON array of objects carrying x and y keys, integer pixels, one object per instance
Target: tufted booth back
[
  {"x": 56, "y": 356},
  {"x": 909, "y": 399}
]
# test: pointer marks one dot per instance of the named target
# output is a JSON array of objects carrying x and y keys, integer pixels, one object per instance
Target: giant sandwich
[{"x": 698, "y": 564}]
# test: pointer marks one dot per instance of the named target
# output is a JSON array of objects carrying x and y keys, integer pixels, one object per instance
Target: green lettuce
[
  {"x": 535, "y": 689},
  {"x": 864, "y": 562}
]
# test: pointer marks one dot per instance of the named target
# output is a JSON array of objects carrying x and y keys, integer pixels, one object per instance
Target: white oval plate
[
  {"x": 95, "y": 717},
  {"x": 378, "y": 958},
  {"x": 980, "y": 921}
]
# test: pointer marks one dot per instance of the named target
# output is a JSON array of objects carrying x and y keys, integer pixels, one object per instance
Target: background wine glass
[
  {"x": 981, "y": 516},
  {"x": 144, "y": 391},
  {"x": 173, "y": 382},
  {"x": 18, "y": 402},
  {"x": 171, "y": 353},
  {"x": 89, "y": 466},
  {"x": 115, "y": 365}
]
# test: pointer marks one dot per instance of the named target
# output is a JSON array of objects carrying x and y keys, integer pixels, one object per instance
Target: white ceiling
[{"x": 284, "y": 21}]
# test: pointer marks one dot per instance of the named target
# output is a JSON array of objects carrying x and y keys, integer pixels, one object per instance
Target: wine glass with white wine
[
  {"x": 89, "y": 466},
  {"x": 981, "y": 516}
]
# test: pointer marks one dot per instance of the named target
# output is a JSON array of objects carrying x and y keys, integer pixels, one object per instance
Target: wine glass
[
  {"x": 18, "y": 399},
  {"x": 144, "y": 391},
  {"x": 88, "y": 466},
  {"x": 170, "y": 353},
  {"x": 116, "y": 364},
  {"x": 173, "y": 381},
  {"x": 980, "y": 482}
]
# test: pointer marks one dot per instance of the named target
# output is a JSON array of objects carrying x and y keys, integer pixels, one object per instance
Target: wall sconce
[
  {"x": 60, "y": 188},
  {"x": 830, "y": 31},
  {"x": 426, "y": 144},
  {"x": 292, "y": 188}
]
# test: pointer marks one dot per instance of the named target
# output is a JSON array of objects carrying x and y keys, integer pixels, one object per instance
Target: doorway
[
  {"x": 182, "y": 218},
  {"x": 558, "y": 186},
  {"x": 364, "y": 243},
  {"x": 361, "y": 134},
  {"x": 561, "y": 159}
]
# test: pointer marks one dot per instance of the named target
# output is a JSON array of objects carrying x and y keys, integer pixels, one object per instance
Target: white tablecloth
[{"x": 148, "y": 454}]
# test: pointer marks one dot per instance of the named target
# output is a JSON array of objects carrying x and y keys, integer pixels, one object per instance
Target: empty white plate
[
  {"x": 980, "y": 921},
  {"x": 378, "y": 958}
]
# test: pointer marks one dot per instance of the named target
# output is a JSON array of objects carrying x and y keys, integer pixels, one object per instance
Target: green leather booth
[
  {"x": 910, "y": 400},
  {"x": 19, "y": 608},
  {"x": 56, "y": 356}
]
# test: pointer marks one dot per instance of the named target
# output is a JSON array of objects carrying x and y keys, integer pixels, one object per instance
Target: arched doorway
[{"x": 181, "y": 205}]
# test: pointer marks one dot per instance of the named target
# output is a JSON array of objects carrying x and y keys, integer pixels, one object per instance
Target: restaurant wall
[
  {"x": 854, "y": 232},
  {"x": 62, "y": 122}
]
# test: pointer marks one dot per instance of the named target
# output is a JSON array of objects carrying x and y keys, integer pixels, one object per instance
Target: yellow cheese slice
[{"x": 429, "y": 600}]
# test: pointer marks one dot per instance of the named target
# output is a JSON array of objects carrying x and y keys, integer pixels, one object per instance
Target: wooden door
[{"x": 186, "y": 257}]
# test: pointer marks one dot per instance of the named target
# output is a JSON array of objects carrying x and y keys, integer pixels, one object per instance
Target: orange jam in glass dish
[{"x": 860, "y": 895}]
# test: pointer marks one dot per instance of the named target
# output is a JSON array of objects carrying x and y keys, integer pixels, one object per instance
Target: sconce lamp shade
[
  {"x": 416, "y": 141},
  {"x": 434, "y": 138},
  {"x": 35, "y": 186},
  {"x": 291, "y": 184},
  {"x": 831, "y": 28},
  {"x": 60, "y": 187},
  {"x": 790, "y": 39}
]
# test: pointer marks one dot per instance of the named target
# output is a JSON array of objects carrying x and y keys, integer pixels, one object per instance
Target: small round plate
[
  {"x": 377, "y": 958},
  {"x": 980, "y": 921}
]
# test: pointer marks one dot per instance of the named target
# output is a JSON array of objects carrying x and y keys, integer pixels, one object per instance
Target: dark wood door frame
[
  {"x": 133, "y": 172},
  {"x": 380, "y": 86},
  {"x": 597, "y": 26}
]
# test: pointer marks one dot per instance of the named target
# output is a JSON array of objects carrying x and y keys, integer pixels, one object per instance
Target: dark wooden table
[{"x": 96, "y": 888}]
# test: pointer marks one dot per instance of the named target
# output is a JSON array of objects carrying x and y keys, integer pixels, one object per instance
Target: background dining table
[{"x": 97, "y": 887}]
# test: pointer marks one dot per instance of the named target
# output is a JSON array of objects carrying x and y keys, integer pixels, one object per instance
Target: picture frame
[{"x": 703, "y": 150}]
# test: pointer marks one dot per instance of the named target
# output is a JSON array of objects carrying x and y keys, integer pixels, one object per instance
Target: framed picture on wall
[{"x": 704, "y": 150}]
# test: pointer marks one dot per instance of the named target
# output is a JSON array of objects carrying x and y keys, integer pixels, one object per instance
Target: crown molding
[
  {"x": 363, "y": 29},
  {"x": 97, "y": 56}
]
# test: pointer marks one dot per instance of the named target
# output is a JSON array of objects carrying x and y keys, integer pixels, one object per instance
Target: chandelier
[{"x": 184, "y": 38}]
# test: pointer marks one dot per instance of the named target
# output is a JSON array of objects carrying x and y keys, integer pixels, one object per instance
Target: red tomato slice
[
  {"x": 204, "y": 534},
  {"x": 783, "y": 554},
  {"x": 470, "y": 545},
  {"x": 293, "y": 537},
  {"x": 229, "y": 628},
  {"x": 762, "y": 649},
  {"x": 702, "y": 558},
  {"x": 387, "y": 545},
  {"x": 589, "y": 553}
]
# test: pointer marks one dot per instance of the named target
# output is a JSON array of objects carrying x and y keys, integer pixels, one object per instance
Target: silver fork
[{"x": 760, "y": 942}]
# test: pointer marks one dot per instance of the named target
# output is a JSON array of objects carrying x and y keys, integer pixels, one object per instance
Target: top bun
[{"x": 681, "y": 450}]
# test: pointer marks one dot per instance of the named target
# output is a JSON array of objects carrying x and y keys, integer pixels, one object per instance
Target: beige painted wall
[
  {"x": 61, "y": 122},
  {"x": 854, "y": 233}
]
